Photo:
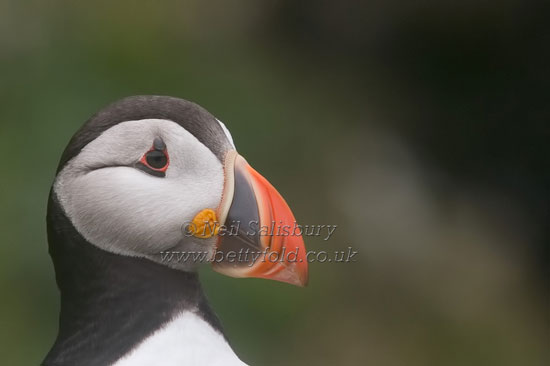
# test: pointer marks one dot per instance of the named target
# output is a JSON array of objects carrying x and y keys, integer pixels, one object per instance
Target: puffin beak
[{"x": 259, "y": 236}]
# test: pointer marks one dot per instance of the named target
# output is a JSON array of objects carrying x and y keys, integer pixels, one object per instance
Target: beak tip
[
  {"x": 302, "y": 282},
  {"x": 295, "y": 273},
  {"x": 302, "y": 275}
]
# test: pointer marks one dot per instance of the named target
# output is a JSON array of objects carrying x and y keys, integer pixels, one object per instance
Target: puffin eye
[{"x": 156, "y": 160}]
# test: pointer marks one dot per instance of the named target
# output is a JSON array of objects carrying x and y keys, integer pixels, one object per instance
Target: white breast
[{"x": 187, "y": 340}]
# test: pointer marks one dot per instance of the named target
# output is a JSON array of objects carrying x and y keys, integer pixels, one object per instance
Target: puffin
[{"x": 146, "y": 191}]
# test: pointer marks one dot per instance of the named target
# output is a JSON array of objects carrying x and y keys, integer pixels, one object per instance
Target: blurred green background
[{"x": 420, "y": 129}]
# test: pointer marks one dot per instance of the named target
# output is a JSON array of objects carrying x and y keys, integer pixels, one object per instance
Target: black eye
[{"x": 156, "y": 159}]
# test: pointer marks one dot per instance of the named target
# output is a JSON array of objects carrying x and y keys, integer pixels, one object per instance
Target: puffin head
[{"x": 150, "y": 175}]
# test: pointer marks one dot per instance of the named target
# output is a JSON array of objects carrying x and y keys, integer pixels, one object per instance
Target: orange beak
[{"x": 259, "y": 236}]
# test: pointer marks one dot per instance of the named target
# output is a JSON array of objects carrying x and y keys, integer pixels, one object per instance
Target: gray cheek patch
[{"x": 126, "y": 211}]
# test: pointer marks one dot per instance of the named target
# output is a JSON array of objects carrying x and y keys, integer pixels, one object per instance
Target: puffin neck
[{"x": 109, "y": 302}]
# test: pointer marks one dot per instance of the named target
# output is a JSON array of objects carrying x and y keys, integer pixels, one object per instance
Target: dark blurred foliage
[
  {"x": 420, "y": 128},
  {"x": 474, "y": 78}
]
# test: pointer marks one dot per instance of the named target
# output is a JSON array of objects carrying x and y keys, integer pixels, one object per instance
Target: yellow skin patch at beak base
[{"x": 205, "y": 224}]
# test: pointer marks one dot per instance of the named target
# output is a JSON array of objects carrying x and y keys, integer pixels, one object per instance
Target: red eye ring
[{"x": 156, "y": 159}]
